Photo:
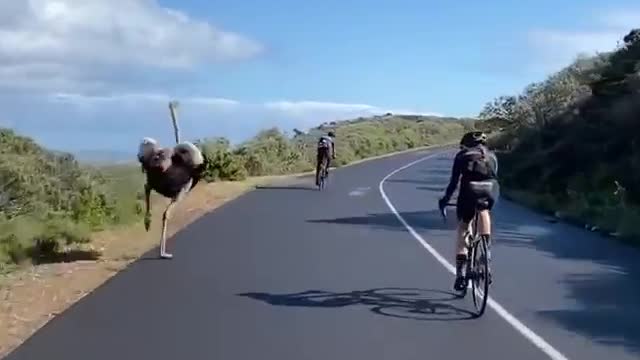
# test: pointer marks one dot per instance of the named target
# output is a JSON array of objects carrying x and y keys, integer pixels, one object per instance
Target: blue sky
[{"x": 98, "y": 74}]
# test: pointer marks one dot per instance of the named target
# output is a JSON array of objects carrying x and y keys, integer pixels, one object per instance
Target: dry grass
[{"x": 32, "y": 296}]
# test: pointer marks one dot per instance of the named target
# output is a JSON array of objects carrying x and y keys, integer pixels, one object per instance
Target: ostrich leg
[
  {"x": 165, "y": 219},
  {"x": 163, "y": 240},
  {"x": 147, "y": 203}
]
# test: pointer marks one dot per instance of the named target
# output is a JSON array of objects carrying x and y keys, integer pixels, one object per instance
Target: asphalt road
[{"x": 289, "y": 272}]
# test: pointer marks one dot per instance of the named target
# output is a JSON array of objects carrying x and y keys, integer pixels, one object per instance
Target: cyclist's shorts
[
  {"x": 480, "y": 195},
  {"x": 322, "y": 152}
]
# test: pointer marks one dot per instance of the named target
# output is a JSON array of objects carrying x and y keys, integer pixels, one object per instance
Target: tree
[{"x": 502, "y": 107}]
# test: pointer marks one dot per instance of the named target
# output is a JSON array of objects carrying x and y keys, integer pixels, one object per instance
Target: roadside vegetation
[
  {"x": 50, "y": 204},
  {"x": 571, "y": 143}
]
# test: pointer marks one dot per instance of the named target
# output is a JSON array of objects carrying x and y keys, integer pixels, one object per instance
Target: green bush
[
  {"x": 220, "y": 162},
  {"x": 272, "y": 152},
  {"x": 572, "y": 140},
  {"x": 47, "y": 200},
  {"x": 26, "y": 237}
]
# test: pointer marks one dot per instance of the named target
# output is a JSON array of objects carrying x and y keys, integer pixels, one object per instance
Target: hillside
[
  {"x": 105, "y": 157},
  {"x": 572, "y": 146},
  {"x": 271, "y": 152},
  {"x": 50, "y": 204}
]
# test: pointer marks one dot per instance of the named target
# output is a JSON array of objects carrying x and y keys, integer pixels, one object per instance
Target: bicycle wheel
[
  {"x": 480, "y": 279},
  {"x": 323, "y": 175}
]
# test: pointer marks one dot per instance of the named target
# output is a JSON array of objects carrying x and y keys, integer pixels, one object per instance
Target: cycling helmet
[
  {"x": 331, "y": 134},
  {"x": 473, "y": 138}
]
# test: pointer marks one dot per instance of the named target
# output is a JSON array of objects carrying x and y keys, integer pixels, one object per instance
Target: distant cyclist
[
  {"x": 477, "y": 170},
  {"x": 326, "y": 150}
]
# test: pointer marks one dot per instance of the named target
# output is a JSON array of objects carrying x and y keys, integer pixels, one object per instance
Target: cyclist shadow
[
  {"x": 420, "y": 220},
  {"x": 286, "y": 187},
  {"x": 414, "y": 304}
]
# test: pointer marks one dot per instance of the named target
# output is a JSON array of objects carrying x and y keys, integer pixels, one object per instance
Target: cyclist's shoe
[{"x": 460, "y": 283}]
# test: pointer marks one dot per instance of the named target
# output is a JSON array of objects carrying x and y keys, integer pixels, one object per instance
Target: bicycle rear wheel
[
  {"x": 480, "y": 276},
  {"x": 323, "y": 175}
]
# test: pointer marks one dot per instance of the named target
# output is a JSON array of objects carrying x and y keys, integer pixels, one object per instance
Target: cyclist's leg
[
  {"x": 484, "y": 204},
  {"x": 465, "y": 211},
  {"x": 484, "y": 221},
  {"x": 484, "y": 193},
  {"x": 318, "y": 165}
]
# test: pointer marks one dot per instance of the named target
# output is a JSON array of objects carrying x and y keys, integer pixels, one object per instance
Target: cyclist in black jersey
[
  {"x": 476, "y": 168},
  {"x": 326, "y": 149}
]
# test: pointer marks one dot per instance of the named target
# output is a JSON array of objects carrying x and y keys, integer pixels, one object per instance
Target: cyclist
[
  {"x": 476, "y": 168},
  {"x": 325, "y": 148}
]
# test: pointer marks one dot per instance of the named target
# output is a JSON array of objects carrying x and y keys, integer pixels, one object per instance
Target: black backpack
[
  {"x": 477, "y": 165},
  {"x": 324, "y": 142}
]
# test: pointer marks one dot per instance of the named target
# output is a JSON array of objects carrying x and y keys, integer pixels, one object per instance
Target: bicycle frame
[{"x": 474, "y": 243}]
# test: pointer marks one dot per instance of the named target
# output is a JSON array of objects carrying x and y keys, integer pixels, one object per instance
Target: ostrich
[{"x": 171, "y": 172}]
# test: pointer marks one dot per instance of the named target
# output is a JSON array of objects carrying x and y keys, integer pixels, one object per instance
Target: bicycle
[
  {"x": 477, "y": 265},
  {"x": 323, "y": 174}
]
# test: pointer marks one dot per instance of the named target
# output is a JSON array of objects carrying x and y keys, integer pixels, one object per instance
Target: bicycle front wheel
[
  {"x": 480, "y": 277},
  {"x": 323, "y": 175}
]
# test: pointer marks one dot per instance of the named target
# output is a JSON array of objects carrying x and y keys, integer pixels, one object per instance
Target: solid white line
[{"x": 517, "y": 324}]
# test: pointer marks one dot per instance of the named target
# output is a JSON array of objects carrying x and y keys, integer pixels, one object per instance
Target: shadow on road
[
  {"x": 438, "y": 189},
  {"x": 444, "y": 172},
  {"x": 429, "y": 220},
  {"x": 429, "y": 180},
  {"x": 285, "y": 187},
  {"x": 604, "y": 281},
  {"x": 414, "y": 304}
]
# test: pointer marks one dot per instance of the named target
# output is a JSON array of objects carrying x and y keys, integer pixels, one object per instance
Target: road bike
[
  {"x": 323, "y": 174},
  {"x": 477, "y": 265}
]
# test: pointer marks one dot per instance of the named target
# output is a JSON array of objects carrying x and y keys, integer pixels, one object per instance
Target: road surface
[{"x": 289, "y": 272}]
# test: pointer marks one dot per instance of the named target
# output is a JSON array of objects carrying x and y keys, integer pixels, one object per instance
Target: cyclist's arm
[
  {"x": 455, "y": 176},
  {"x": 333, "y": 150}
]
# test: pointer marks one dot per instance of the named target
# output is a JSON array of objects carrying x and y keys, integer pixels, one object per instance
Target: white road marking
[
  {"x": 535, "y": 339},
  {"x": 359, "y": 191}
]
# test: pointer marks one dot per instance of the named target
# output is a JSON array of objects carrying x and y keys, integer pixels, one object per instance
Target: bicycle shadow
[
  {"x": 419, "y": 220},
  {"x": 285, "y": 187},
  {"x": 414, "y": 304}
]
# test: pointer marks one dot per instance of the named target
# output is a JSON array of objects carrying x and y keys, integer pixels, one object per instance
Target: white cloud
[
  {"x": 72, "y": 44},
  {"x": 76, "y": 121},
  {"x": 303, "y": 108},
  {"x": 555, "y": 48},
  {"x": 94, "y": 74},
  {"x": 136, "y": 98}
]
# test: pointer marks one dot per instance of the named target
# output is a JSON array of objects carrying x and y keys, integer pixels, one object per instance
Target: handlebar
[{"x": 443, "y": 211}]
